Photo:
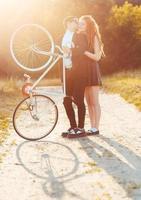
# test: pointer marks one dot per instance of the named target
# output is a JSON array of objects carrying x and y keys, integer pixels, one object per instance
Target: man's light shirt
[{"x": 67, "y": 43}]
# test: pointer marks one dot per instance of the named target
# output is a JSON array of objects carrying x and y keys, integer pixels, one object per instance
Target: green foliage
[
  {"x": 135, "y": 2},
  {"x": 127, "y": 84},
  {"x": 123, "y": 37}
]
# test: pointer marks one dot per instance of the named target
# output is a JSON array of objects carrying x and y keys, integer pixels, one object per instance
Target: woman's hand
[
  {"x": 93, "y": 56},
  {"x": 86, "y": 53}
]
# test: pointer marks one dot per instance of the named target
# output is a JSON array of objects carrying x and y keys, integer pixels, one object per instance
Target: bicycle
[{"x": 33, "y": 49}]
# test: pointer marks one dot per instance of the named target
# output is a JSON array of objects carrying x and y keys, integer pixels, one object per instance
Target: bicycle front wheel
[
  {"x": 23, "y": 43},
  {"x": 34, "y": 118}
]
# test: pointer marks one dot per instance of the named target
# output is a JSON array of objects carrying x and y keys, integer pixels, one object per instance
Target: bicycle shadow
[
  {"x": 125, "y": 169},
  {"x": 47, "y": 168}
]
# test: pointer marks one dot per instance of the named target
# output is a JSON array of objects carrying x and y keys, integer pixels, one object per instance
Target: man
[
  {"x": 71, "y": 25},
  {"x": 74, "y": 92}
]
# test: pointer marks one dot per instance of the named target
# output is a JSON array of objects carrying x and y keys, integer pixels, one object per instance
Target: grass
[
  {"x": 132, "y": 186},
  {"x": 92, "y": 168},
  {"x": 127, "y": 84},
  {"x": 4, "y": 124},
  {"x": 9, "y": 96},
  {"x": 50, "y": 82},
  {"x": 9, "y": 86}
]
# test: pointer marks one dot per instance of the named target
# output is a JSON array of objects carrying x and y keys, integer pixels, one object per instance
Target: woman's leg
[
  {"x": 94, "y": 106},
  {"x": 81, "y": 114},
  {"x": 94, "y": 99},
  {"x": 91, "y": 110}
]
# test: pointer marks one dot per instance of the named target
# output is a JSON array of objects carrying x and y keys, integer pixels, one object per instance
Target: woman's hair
[{"x": 92, "y": 30}]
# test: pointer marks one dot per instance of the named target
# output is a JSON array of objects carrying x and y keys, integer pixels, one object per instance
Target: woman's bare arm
[{"x": 98, "y": 52}]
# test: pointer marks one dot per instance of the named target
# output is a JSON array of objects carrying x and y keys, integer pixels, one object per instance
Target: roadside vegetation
[
  {"x": 127, "y": 84},
  {"x": 9, "y": 96}
]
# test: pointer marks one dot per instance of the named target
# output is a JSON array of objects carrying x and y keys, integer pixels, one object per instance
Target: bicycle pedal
[{"x": 35, "y": 117}]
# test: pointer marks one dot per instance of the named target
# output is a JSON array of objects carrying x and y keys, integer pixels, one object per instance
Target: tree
[
  {"x": 124, "y": 41},
  {"x": 134, "y": 2}
]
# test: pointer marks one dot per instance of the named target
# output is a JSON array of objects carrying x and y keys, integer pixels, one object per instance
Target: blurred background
[
  {"x": 120, "y": 26},
  {"x": 119, "y": 21}
]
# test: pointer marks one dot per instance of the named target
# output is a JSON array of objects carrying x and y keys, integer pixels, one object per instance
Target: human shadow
[
  {"x": 124, "y": 167},
  {"x": 132, "y": 158},
  {"x": 42, "y": 165}
]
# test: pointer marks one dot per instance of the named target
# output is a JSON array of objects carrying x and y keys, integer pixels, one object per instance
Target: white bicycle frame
[{"x": 58, "y": 57}]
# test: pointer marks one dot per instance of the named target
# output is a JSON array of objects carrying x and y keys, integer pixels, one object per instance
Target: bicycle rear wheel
[{"x": 35, "y": 118}]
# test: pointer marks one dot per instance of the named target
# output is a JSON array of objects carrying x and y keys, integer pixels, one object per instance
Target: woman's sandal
[{"x": 90, "y": 132}]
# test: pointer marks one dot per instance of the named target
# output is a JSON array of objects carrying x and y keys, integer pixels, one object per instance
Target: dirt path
[{"x": 91, "y": 168}]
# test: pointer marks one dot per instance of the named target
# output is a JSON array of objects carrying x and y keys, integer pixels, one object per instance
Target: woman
[{"x": 88, "y": 25}]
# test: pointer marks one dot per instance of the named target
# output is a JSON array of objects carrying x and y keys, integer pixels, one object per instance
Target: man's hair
[{"x": 69, "y": 19}]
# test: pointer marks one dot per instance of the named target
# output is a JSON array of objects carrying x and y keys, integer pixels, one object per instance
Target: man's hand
[{"x": 66, "y": 50}]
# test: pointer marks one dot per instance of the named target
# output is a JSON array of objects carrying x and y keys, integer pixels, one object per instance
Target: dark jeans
[{"x": 75, "y": 94}]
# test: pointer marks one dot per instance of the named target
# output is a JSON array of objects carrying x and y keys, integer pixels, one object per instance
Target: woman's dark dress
[{"x": 85, "y": 70}]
